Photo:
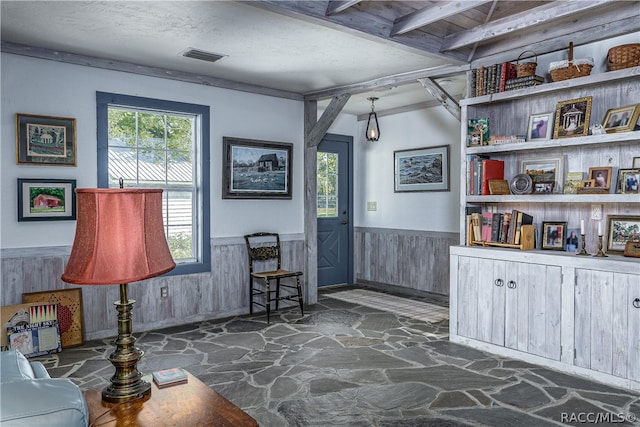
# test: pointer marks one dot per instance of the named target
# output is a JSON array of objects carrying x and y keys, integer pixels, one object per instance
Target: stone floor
[{"x": 348, "y": 365}]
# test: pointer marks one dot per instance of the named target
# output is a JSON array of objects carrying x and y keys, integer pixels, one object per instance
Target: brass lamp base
[{"x": 127, "y": 383}]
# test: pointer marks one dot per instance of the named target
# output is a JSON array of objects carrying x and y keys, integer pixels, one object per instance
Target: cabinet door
[
  {"x": 481, "y": 299},
  {"x": 607, "y": 322},
  {"x": 533, "y": 308}
]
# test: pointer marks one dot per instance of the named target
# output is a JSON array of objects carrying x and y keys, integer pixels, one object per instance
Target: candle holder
[
  {"x": 600, "y": 252},
  {"x": 583, "y": 251}
]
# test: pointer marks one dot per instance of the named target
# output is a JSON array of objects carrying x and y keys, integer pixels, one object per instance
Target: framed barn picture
[{"x": 46, "y": 199}]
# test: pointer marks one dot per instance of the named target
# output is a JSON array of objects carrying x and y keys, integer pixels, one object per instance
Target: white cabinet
[
  {"x": 511, "y": 304},
  {"x": 607, "y": 322},
  {"x": 577, "y": 314}
]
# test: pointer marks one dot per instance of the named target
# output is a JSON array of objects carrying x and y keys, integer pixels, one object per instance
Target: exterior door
[{"x": 334, "y": 202}]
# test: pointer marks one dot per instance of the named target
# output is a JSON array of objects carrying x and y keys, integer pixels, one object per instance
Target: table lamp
[{"x": 119, "y": 239}]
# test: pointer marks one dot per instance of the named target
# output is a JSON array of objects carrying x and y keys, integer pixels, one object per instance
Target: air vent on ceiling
[{"x": 202, "y": 55}]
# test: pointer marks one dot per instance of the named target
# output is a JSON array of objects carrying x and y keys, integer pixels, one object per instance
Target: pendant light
[{"x": 373, "y": 130}]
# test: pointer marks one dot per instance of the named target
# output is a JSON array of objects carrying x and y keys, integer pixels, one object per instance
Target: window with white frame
[{"x": 161, "y": 144}]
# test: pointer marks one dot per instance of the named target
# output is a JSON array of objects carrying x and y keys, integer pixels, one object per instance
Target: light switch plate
[
  {"x": 596, "y": 212},
  {"x": 372, "y": 206}
]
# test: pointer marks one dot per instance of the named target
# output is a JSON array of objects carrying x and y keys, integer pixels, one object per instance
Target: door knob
[{"x": 344, "y": 221}]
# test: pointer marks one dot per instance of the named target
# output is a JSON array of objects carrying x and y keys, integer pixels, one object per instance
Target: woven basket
[
  {"x": 623, "y": 56},
  {"x": 571, "y": 69},
  {"x": 526, "y": 68}
]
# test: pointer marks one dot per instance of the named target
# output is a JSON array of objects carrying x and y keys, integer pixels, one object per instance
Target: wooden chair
[{"x": 265, "y": 254}]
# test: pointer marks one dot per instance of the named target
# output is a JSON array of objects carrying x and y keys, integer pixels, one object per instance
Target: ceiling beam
[
  {"x": 128, "y": 67},
  {"x": 450, "y": 104},
  {"x": 586, "y": 28},
  {"x": 369, "y": 26},
  {"x": 329, "y": 115},
  {"x": 388, "y": 81},
  {"x": 337, "y": 6},
  {"x": 429, "y": 15},
  {"x": 520, "y": 21}
]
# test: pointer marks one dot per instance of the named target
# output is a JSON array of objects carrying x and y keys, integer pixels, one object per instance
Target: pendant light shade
[{"x": 373, "y": 130}]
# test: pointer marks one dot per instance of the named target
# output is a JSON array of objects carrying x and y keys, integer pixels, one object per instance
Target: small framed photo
[
  {"x": 553, "y": 235},
  {"x": 636, "y": 163},
  {"x": 45, "y": 140},
  {"x": 588, "y": 183},
  {"x": 627, "y": 182},
  {"x": 620, "y": 230},
  {"x": 545, "y": 170},
  {"x": 543, "y": 187},
  {"x": 572, "y": 240},
  {"x": 46, "y": 199},
  {"x": 421, "y": 169},
  {"x": 601, "y": 176},
  {"x": 622, "y": 119},
  {"x": 540, "y": 126},
  {"x": 572, "y": 118},
  {"x": 256, "y": 169}
]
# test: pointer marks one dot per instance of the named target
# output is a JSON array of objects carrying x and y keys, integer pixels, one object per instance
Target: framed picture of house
[
  {"x": 45, "y": 140},
  {"x": 572, "y": 118},
  {"x": 255, "y": 169},
  {"x": 422, "y": 169},
  {"x": 46, "y": 199}
]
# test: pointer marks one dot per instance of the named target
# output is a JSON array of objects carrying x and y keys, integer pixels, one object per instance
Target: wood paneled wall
[
  {"x": 418, "y": 260},
  {"x": 220, "y": 293}
]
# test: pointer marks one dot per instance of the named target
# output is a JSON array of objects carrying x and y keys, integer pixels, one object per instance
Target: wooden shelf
[
  {"x": 608, "y": 77},
  {"x": 557, "y": 198},
  {"x": 609, "y": 138},
  {"x": 527, "y": 240}
]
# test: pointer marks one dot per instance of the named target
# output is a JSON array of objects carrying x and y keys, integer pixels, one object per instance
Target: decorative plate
[{"x": 521, "y": 184}]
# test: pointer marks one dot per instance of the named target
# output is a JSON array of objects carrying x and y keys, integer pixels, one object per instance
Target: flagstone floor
[{"x": 345, "y": 364}]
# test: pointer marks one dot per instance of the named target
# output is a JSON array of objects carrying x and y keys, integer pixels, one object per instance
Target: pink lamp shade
[{"x": 119, "y": 237}]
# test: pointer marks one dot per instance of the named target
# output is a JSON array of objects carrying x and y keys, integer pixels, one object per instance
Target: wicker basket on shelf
[
  {"x": 570, "y": 69},
  {"x": 526, "y": 68},
  {"x": 623, "y": 56}
]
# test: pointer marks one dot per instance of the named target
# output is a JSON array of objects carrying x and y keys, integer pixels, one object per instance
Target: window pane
[
  {"x": 327, "y": 184},
  {"x": 178, "y": 218}
]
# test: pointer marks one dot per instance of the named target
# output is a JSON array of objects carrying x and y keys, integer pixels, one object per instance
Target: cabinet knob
[
  {"x": 636, "y": 303},
  {"x": 498, "y": 282},
  {"x": 511, "y": 284}
]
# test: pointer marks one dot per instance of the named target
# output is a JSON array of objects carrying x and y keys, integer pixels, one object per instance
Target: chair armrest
[
  {"x": 39, "y": 371},
  {"x": 54, "y": 402}
]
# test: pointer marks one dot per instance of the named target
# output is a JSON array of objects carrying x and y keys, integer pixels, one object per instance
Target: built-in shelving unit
[{"x": 546, "y": 306}]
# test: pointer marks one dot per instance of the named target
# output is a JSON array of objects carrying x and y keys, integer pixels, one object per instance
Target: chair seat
[{"x": 276, "y": 274}]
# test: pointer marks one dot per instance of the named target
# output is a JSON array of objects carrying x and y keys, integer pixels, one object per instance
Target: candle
[
  {"x": 599, "y": 228},
  {"x": 582, "y": 226}
]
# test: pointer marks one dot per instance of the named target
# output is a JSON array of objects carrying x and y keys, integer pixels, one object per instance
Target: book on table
[{"x": 169, "y": 377}]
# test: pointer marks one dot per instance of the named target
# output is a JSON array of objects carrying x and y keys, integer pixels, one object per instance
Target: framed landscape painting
[
  {"x": 256, "y": 169},
  {"x": 620, "y": 230},
  {"x": 545, "y": 170},
  {"x": 421, "y": 169},
  {"x": 46, "y": 199},
  {"x": 45, "y": 140}
]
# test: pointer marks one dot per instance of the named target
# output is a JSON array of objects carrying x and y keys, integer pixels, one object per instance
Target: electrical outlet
[
  {"x": 164, "y": 292},
  {"x": 596, "y": 212}
]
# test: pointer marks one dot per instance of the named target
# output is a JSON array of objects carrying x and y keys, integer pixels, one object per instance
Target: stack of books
[{"x": 495, "y": 78}]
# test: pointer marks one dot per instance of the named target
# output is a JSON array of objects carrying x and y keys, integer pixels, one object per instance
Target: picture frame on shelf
[
  {"x": 479, "y": 126},
  {"x": 621, "y": 119},
  {"x": 544, "y": 170},
  {"x": 572, "y": 181},
  {"x": 46, "y": 199},
  {"x": 601, "y": 176},
  {"x": 543, "y": 187},
  {"x": 553, "y": 235},
  {"x": 254, "y": 169},
  {"x": 588, "y": 183},
  {"x": 621, "y": 184},
  {"x": 540, "y": 127},
  {"x": 45, "y": 140},
  {"x": 572, "y": 240},
  {"x": 620, "y": 230},
  {"x": 421, "y": 169},
  {"x": 572, "y": 118}
]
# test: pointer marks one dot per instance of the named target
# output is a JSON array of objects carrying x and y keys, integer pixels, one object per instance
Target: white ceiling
[{"x": 261, "y": 47}]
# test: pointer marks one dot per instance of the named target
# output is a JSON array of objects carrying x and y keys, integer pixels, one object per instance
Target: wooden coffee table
[{"x": 190, "y": 404}]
